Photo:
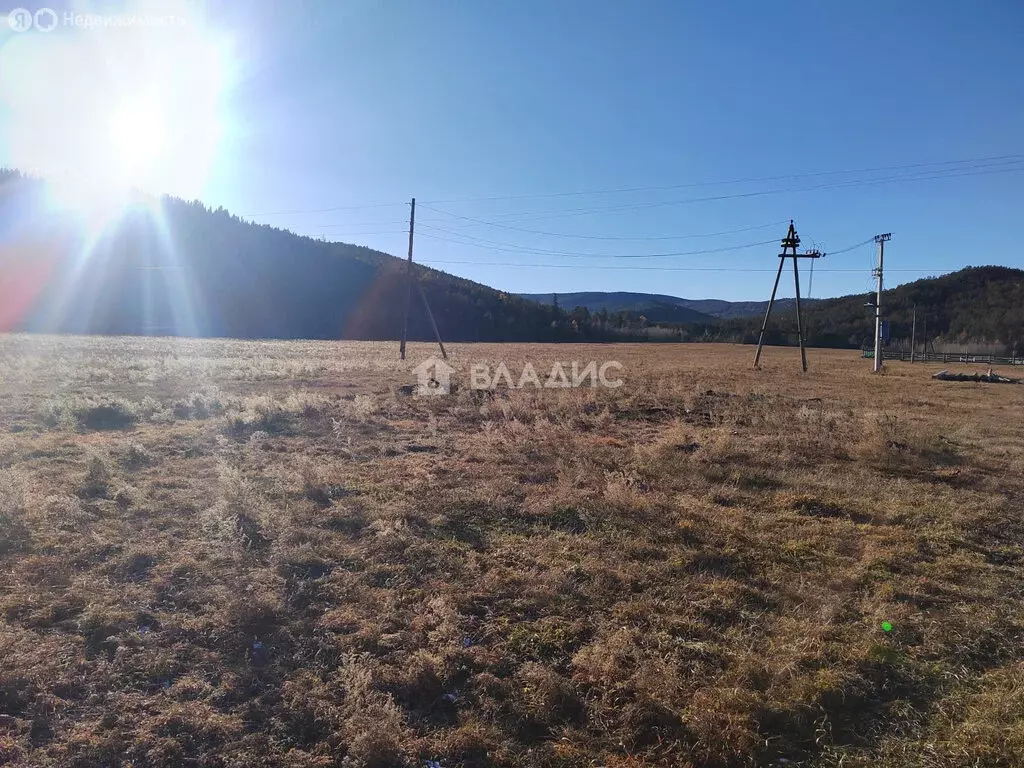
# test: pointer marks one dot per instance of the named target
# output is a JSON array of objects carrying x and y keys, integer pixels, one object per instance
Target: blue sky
[{"x": 358, "y": 103}]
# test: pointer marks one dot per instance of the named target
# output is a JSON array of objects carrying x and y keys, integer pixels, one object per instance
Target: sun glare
[
  {"x": 123, "y": 109},
  {"x": 138, "y": 135},
  {"x": 95, "y": 203}
]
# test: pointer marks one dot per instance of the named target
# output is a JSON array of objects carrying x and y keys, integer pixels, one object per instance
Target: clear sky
[{"x": 345, "y": 104}]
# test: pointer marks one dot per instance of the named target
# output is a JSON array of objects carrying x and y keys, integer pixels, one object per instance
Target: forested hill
[
  {"x": 975, "y": 305},
  {"x": 658, "y": 307},
  {"x": 175, "y": 267}
]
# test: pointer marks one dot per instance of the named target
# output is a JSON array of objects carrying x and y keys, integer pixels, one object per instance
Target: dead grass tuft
[
  {"x": 98, "y": 478},
  {"x": 13, "y": 531},
  {"x": 373, "y": 723}
]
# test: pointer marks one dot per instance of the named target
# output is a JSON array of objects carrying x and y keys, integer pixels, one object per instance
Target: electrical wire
[
  {"x": 474, "y": 241},
  {"x": 850, "y": 248},
  {"x": 521, "y": 217},
  {"x": 951, "y": 171},
  {"x": 354, "y": 234},
  {"x": 654, "y": 269},
  {"x": 616, "y": 237},
  {"x": 360, "y": 224},
  {"x": 321, "y": 210},
  {"x": 977, "y": 171},
  {"x": 578, "y": 255},
  {"x": 686, "y": 253},
  {"x": 749, "y": 180}
]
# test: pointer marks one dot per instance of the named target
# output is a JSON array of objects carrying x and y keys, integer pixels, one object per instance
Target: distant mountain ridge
[
  {"x": 973, "y": 306},
  {"x": 661, "y": 308}
]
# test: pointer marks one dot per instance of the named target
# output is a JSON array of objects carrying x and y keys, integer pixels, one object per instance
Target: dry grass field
[{"x": 218, "y": 553}]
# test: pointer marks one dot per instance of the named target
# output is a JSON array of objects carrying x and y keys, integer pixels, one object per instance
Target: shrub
[
  {"x": 109, "y": 414},
  {"x": 137, "y": 456},
  {"x": 197, "y": 406},
  {"x": 96, "y": 483},
  {"x": 240, "y": 514},
  {"x": 363, "y": 407},
  {"x": 65, "y": 513},
  {"x": 549, "y": 697},
  {"x": 8, "y": 449},
  {"x": 58, "y": 414},
  {"x": 316, "y": 485},
  {"x": 257, "y": 414},
  {"x": 13, "y": 532},
  {"x": 148, "y": 407}
]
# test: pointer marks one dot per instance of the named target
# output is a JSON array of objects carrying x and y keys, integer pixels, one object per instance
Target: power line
[
  {"x": 358, "y": 224},
  {"x": 658, "y": 269},
  {"x": 560, "y": 213},
  {"x": 578, "y": 255},
  {"x": 694, "y": 269},
  {"x": 587, "y": 237},
  {"x": 928, "y": 176},
  {"x": 642, "y": 237},
  {"x": 495, "y": 245},
  {"x": 519, "y": 216},
  {"x": 1009, "y": 158},
  {"x": 749, "y": 180},
  {"x": 352, "y": 234},
  {"x": 850, "y": 248},
  {"x": 513, "y": 247},
  {"x": 321, "y": 210}
]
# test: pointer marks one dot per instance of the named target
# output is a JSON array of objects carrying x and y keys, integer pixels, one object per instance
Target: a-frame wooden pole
[
  {"x": 789, "y": 246},
  {"x": 790, "y": 238},
  {"x": 799, "y": 323},
  {"x": 767, "y": 314}
]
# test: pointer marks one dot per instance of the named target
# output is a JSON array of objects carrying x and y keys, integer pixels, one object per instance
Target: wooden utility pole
[
  {"x": 913, "y": 335},
  {"x": 789, "y": 243},
  {"x": 768, "y": 311},
  {"x": 881, "y": 240},
  {"x": 430, "y": 317},
  {"x": 409, "y": 279},
  {"x": 799, "y": 325}
]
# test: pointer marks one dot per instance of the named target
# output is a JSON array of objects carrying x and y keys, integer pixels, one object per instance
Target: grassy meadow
[{"x": 250, "y": 554}]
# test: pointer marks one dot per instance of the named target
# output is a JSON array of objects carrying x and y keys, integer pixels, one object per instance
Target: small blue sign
[{"x": 885, "y": 331}]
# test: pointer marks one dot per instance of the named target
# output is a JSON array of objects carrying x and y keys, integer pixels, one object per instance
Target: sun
[
  {"x": 104, "y": 113},
  {"x": 138, "y": 134},
  {"x": 132, "y": 154}
]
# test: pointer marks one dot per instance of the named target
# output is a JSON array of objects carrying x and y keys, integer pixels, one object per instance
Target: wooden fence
[{"x": 946, "y": 357}]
